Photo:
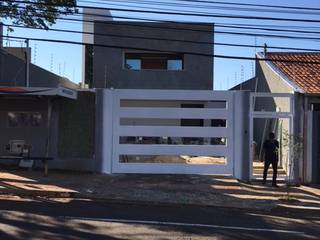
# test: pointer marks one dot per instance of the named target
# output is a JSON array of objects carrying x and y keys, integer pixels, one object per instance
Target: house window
[
  {"x": 175, "y": 64},
  {"x": 155, "y": 61},
  {"x": 133, "y": 64},
  {"x": 24, "y": 119}
]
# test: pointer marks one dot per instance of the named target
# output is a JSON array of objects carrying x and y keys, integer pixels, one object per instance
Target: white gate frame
[
  {"x": 263, "y": 114},
  {"x": 172, "y": 131},
  {"x": 115, "y": 112}
]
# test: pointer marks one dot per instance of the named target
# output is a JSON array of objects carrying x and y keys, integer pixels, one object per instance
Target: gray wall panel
[{"x": 108, "y": 63}]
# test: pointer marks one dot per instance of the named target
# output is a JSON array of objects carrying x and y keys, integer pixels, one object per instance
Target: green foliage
[
  {"x": 294, "y": 143},
  {"x": 36, "y": 13}
]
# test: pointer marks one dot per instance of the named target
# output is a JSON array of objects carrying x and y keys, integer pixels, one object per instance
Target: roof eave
[{"x": 282, "y": 76}]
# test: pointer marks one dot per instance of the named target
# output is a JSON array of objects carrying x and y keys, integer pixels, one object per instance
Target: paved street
[{"x": 86, "y": 219}]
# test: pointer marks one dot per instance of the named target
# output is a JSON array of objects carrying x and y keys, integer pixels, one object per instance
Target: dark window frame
[{"x": 163, "y": 59}]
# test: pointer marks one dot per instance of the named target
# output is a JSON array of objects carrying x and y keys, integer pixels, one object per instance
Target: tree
[
  {"x": 294, "y": 145},
  {"x": 36, "y": 13}
]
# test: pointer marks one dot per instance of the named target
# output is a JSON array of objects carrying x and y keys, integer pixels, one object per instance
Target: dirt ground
[
  {"x": 177, "y": 159},
  {"x": 204, "y": 190}
]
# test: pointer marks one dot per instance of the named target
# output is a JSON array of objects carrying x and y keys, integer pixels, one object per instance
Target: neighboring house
[
  {"x": 45, "y": 115},
  {"x": 138, "y": 59},
  {"x": 13, "y": 71},
  {"x": 303, "y": 81}
]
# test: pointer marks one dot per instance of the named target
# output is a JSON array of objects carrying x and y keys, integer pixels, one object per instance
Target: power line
[
  {"x": 266, "y": 29},
  {"x": 194, "y": 6},
  {"x": 204, "y": 15},
  {"x": 158, "y": 50},
  {"x": 219, "y": 25},
  {"x": 184, "y": 14},
  {"x": 257, "y": 28},
  {"x": 196, "y": 30},
  {"x": 167, "y": 39},
  {"x": 183, "y": 5},
  {"x": 199, "y": 30},
  {"x": 263, "y": 35},
  {"x": 249, "y": 4}
]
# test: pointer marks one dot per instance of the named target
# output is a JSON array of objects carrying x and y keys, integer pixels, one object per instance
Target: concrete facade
[{"x": 108, "y": 62}]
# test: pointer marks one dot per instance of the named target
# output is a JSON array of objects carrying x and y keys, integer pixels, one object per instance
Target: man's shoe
[
  {"x": 275, "y": 185},
  {"x": 264, "y": 182}
]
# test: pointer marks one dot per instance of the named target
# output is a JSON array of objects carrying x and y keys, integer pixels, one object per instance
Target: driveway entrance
[
  {"x": 271, "y": 112},
  {"x": 174, "y": 131}
]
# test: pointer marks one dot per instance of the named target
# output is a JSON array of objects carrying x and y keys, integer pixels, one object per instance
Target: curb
[
  {"x": 171, "y": 204},
  {"x": 38, "y": 193}
]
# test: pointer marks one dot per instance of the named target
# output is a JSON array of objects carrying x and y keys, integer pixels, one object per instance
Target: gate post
[
  {"x": 241, "y": 152},
  {"x": 104, "y": 131}
]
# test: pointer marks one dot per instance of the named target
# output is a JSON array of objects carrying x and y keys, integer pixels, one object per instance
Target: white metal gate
[
  {"x": 120, "y": 112},
  {"x": 128, "y": 117}
]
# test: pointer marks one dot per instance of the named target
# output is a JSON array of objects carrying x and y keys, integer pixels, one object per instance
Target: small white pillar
[
  {"x": 241, "y": 135},
  {"x": 104, "y": 131}
]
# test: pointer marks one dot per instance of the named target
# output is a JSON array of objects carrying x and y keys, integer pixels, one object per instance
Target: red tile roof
[{"x": 305, "y": 76}]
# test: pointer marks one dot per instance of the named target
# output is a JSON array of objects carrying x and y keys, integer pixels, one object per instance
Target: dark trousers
[{"x": 275, "y": 170}]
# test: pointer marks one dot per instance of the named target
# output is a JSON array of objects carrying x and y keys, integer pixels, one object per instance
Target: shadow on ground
[
  {"x": 201, "y": 190},
  {"x": 46, "y": 219}
]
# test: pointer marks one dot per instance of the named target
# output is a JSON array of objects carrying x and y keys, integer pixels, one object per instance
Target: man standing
[{"x": 271, "y": 153}]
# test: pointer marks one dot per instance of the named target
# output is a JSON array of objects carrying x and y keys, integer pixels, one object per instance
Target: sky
[{"x": 66, "y": 60}]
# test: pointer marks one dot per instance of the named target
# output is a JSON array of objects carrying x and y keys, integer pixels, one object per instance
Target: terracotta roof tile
[{"x": 306, "y": 76}]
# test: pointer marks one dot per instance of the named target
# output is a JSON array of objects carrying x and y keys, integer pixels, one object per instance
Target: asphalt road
[{"x": 84, "y": 219}]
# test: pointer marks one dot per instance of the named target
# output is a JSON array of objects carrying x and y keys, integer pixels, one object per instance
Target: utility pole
[
  {"x": 27, "y": 57},
  {"x": 242, "y": 76},
  {"x": 1, "y": 32},
  {"x": 265, "y": 49},
  {"x": 35, "y": 48},
  {"x": 51, "y": 62}
]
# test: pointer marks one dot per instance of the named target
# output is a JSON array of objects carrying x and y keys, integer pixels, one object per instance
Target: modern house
[
  {"x": 145, "y": 55},
  {"x": 301, "y": 79},
  {"x": 156, "y": 111}
]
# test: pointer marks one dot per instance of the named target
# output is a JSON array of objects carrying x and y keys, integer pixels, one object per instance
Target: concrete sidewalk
[{"x": 157, "y": 189}]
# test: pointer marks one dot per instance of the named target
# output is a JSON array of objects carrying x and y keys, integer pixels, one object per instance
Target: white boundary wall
[{"x": 236, "y": 113}]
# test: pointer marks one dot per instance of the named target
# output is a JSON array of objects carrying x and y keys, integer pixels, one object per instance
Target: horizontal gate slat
[
  {"x": 181, "y": 95},
  {"x": 173, "y": 113},
  {"x": 172, "y": 168},
  {"x": 170, "y": 131},
  {"x": 196, "y": 150}
]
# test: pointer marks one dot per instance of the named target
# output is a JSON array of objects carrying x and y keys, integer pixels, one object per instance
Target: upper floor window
[
  {"x": 133, "y": 64},
  {"x": 157, "y": 61}
]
